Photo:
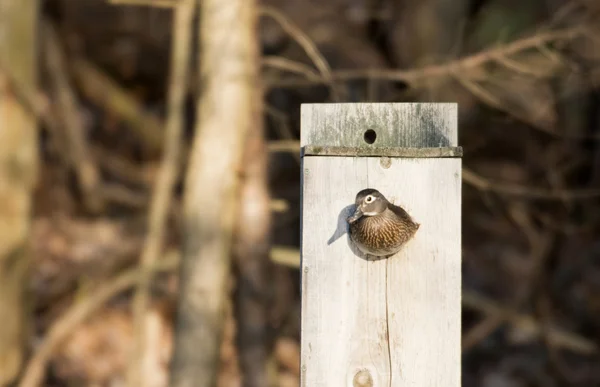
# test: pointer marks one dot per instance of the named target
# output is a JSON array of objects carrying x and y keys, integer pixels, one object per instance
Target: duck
[{"x": 378, "y": 227}]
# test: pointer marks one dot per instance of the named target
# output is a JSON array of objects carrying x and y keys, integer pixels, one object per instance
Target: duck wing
[{"x": 400, "y": 212}]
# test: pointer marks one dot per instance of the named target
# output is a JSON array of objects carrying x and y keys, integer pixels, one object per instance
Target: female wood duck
[{"x": 379, "y": 227}]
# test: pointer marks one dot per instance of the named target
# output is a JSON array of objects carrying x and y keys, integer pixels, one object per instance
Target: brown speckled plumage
[{"x": 379, "y": 227}]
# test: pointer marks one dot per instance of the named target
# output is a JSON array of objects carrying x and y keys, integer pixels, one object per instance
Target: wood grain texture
[
  {"x": 391, "y": 322},
  {"x": 382, "y": 151},
  {"x": 419, "y": 125}
]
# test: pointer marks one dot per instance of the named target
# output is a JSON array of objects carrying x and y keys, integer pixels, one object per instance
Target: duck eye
[{"x": 369, "y": 199}]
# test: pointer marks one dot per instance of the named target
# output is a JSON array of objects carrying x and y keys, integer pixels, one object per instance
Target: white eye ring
[{"x": 369, "y": 199}]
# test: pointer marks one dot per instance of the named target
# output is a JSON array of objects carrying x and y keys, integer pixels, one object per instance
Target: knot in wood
[
  {"x": 385, "y": 162},
  {"x": 363, "y": 379}
]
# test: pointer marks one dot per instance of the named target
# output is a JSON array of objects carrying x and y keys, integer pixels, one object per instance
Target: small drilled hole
[{"x": 370, "y": 136}]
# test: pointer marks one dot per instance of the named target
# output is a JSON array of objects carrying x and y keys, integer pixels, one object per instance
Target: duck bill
[{"x": 357, "y": 215}]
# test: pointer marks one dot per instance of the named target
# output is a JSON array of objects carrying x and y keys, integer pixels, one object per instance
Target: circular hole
[{"x": 370, "y": 136}]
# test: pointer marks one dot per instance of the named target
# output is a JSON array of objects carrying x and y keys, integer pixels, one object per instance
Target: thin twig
[
  {"x": 484, "y": 184},
  {"x": 147, "y": 3},
  {"x": 413, "y": 76},
  {"x": 165, "y": 181},
  {"x": 541, "y": 244},
  {"x": 119, "y": 194},
  {"x": 285, "y": 132},
  {"x": 517, "y": 67},
  {"x": 106, "y": 92},
  {"x": 80, "y": 312},
  {"x": 286, "y": 64},
  {"x": 279, "y": 205},
  {"x": 478, "y": 91},
  {"x": 488, "y": 98},
  {"x": 481, "y": 331},
  {"x": 33, "y": 100},
  {"x": 309, "y": 47},
  {"x": 120, "y": 167},
  {"x": 286, "y": 256},
  {"x": 38, "y": 105},
  {"x": 524, "y": 322},
  {"x": 79, "y": 155},
  {"x": 291, "y": 146}
]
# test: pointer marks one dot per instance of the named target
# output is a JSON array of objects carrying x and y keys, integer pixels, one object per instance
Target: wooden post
[{"x": 390, "y": 322}]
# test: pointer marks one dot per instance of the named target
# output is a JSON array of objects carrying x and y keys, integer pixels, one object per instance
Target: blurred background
[{"x": 525, "y": 75}]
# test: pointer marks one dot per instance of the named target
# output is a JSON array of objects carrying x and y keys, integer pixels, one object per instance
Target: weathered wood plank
[
  {"x": 382, "y": 152},
  {"x": 424, "y": 281},
  {"x": 422, "y": 125},
  {"x": 392, "y": 322}
]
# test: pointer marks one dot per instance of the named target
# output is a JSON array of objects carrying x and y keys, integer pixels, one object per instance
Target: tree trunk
[
  {"x": 229, "y": 72},
  {"x": 18, "y": 172},
  {"x": 251, "y": 253}
]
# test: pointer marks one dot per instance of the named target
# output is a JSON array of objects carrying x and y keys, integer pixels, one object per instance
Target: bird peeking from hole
[{"x": 378, "y": 227}]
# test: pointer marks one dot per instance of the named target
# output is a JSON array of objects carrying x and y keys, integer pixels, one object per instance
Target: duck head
[{"x": 369, "y": 202}]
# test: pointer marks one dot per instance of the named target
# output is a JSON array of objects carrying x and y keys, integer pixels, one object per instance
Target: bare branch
[
  {"x": 527, "y": 323},
  {"x": 415, "y": 76},
  {"x": 79, "y": 313},
  {"x": 278, "y": 62},
  {"x": 165, "y": 181},
  {"x": 309, "y": 47},
  {"x": 79, "y": 155},
  {"x": 484, "y": 184},
  {"x": 291, "y": 146},
  {"x": 104, "y": 91},
  {"x": 147, "y": 3}
]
